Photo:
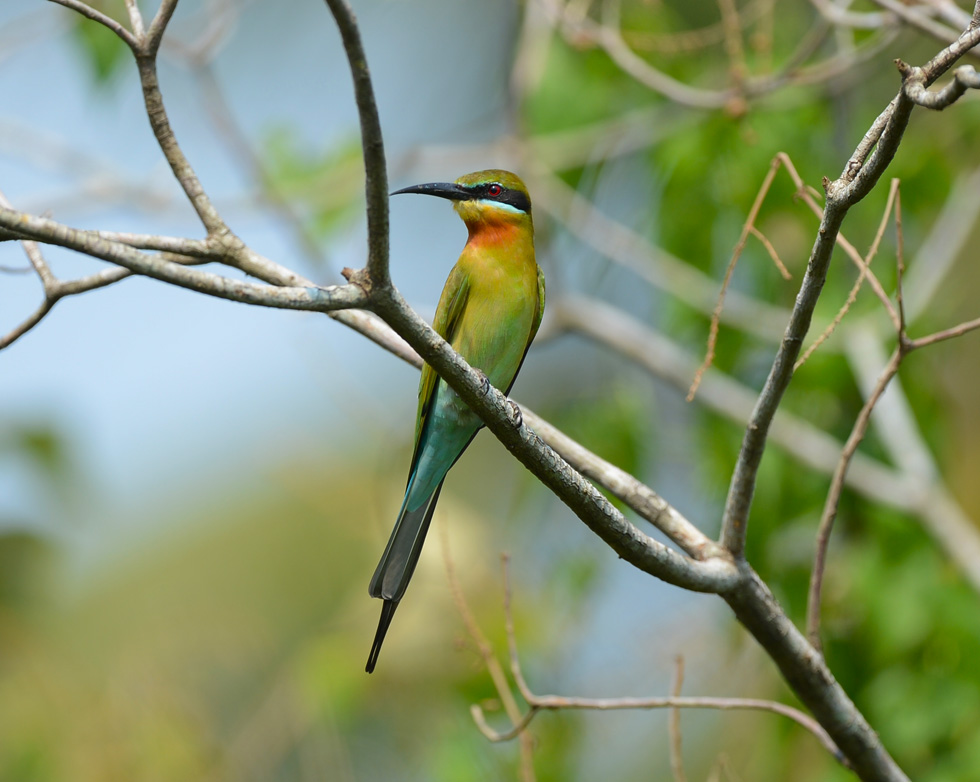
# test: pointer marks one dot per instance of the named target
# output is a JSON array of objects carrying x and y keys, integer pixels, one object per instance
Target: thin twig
[
  {"x": 805, "y": 193},
  {"x": 772, "y": 252},
  {"x": 151, "y": 41},
  {"x": 87, "y": 11},
  {"x": 539, "y": 703},
  {"x": 941, "y": 336},
  {"x": 674, "y": 724},
  {"x": 736, "y": 253},
  {"x": 27, "y": 324},
  {"x": 485, "y": 650},
  {"x": 899, "y": 267},
  {"x": 584, "y": 220},
  {"x": 864, "y": 269},
  {"x": 135, "y": 18},
  {"x": 832, "y": 502}
]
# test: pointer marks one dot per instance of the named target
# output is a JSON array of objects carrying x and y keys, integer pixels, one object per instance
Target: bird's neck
[{"x": 495, "y": 234}]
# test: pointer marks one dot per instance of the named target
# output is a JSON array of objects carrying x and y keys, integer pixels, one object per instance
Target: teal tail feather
[
  {"x": 387, "y": 612},
  {"x": 398, "y": 563}
]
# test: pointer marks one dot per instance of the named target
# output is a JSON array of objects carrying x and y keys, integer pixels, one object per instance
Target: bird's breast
[{"x": 500, "y": 312}]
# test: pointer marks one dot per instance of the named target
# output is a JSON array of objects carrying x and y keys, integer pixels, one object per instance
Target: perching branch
[{"x": 643, "y": 552}]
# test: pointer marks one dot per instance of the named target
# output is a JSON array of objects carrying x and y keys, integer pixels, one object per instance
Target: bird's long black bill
[
  {"x": 387, "y": 612},
  {"x": 449, "y": 190}
]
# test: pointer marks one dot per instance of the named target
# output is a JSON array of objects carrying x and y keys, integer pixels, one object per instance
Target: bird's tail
[
  {"x": 387, "y": 612},
  {"x": 398, "y": 563}
]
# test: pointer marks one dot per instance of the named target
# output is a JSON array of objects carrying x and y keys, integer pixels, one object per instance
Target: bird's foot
[
  {"x": 516, "y": 416},
  {"x": 484, "y": 381}
]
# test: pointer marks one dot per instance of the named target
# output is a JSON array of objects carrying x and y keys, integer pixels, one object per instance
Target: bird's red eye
[{"x": 494, "y": 190}]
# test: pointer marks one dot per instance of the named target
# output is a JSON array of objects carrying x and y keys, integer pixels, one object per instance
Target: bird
[{"x": 489, "y": 312}]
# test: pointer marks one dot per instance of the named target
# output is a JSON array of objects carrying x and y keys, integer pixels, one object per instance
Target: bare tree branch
[
  {"x": 950, "y": 333},
  {"x": 806, "y": 672},
  {"x": 26, "y": 325},
  {"x": 857, "y": 180},
  {"x": 376, "y": 176},
  {"x": 132, "y": 41},
  {"x": 964, "y": 78},
  {"x": 91, "y": 243},
  {"x": 150, "y": 44},
  {"x": 183, "y": 171},
  {"x": 864, "y": 268},
  {"x": 135, "y": 18},
  {"x": 907, "y": 489}
]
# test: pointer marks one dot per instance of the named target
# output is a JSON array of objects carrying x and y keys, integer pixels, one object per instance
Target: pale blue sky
[{"x": 156, "y": 387}]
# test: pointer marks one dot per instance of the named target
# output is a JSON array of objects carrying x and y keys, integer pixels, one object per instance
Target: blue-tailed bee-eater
[{"x": 489, "y": 311}]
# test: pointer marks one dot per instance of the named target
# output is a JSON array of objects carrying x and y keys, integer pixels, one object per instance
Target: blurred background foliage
[{"x": 231, "y": 649}]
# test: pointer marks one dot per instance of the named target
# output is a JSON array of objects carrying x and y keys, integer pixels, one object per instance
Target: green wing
[
  {"x": 538, "y": 314},
  {"x": 452, "y": 302}
]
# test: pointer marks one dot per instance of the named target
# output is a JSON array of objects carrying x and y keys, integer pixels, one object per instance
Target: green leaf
[
  {"x": 102, "y": 48},
  {"x": 326, "y": 182}
]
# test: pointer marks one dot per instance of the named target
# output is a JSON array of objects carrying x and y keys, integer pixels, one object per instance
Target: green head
[{"x": 493, "y": 195}]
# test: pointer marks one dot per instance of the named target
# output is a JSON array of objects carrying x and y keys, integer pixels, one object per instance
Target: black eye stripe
[{"x": 514, "y": 198}]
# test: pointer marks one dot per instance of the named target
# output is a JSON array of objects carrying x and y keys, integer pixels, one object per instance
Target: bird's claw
[
  {"x": 516, "y": 416},
  {"x": 484, "y": 382}
]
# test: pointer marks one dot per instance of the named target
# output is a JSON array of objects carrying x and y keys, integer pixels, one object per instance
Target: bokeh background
[{"x": 194, "y": 493}]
